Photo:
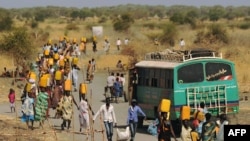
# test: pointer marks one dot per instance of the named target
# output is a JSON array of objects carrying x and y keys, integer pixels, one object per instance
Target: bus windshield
[
  {"x": 218, "y": 71},
  {"x": 191, "y": 73}
]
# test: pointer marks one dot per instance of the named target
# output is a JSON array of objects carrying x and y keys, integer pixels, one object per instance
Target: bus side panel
[{"x": 149, "y": 98}]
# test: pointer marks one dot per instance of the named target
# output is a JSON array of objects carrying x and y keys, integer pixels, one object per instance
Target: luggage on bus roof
[{"x": 200, "y": 52}]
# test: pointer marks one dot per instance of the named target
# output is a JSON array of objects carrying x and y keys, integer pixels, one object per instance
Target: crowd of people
[
  {"x": 52, "y": 88},
  {"x": 201, "y": 127},
  {"x": 115, "y": 86}
]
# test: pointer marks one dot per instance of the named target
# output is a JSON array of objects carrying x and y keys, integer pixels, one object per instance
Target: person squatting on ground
[
  {"x": 165, "y": 128},
  {"x": 109, "y": 118},
  {"x": 67, "y": 108},
  {"x": 132, "y": 119},
  {"x": 12, "y": 98},
  {"x": 119, "y": 64}
]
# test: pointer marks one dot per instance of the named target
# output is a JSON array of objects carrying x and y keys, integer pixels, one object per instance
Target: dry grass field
[{"x": 237, "y": 51}]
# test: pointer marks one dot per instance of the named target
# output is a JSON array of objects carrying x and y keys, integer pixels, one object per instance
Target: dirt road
[{"x": 12, "y": 127}]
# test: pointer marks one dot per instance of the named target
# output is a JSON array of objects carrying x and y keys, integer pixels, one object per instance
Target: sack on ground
[
  {"x": 152, "y": 128},
  {"x": 122, "y": 135}
]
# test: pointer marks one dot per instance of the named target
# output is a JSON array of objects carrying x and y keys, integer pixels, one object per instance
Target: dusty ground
[{"x": 11, "y": 127}]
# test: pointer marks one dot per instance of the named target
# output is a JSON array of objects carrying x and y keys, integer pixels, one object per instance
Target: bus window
[
  {"x": 218, "y": 71},
  {"x": 154, "y": 82},
  {"x": 147, "y": 82},
  {"x": 190, "y": 73},
  {"x": 157, "y": 73},
  {"x": 170, "y": 79},
  {"x": 162, "y": 78},
  {"x": 162, "y": 82},
  {"x": 156, "y": 78},
  {"x": 141, "y": 77},
  {"x": 141, "y": 81}
]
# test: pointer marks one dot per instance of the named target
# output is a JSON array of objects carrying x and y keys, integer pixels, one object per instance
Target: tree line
[
  {"x": 179, "y": 13},
  {"x": 16, "y": 41}
]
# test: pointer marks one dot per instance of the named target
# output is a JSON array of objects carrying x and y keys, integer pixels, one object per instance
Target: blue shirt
[{"x": 133, "y": 113}]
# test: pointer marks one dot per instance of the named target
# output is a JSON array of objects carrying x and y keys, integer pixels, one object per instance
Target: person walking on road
[
  {"x": 132, "y": 119},
  {"x": 28, "y": 110},
  {"x": 108, "y": 117},
  {"x": 67, "y": 108},
  {"x": 165, "y": 128},
  {"x": 11, "y": 97},
  {"x": 110, "y": 83},
  {"x": 75, "y": 71},
  {"x": 41, "y": 106},
  {"x": 84, "y": 108},
  {"x": 117, "y": 89},
  {"x": 185, "y": 131}
]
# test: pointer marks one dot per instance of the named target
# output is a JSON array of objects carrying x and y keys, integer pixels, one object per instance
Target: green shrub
[
  {"x": 214, "y": 34},
  {"x": 169, "y": 34},
  {"x": 245, "y": 25},
  {"x": 72, "y": 26}
]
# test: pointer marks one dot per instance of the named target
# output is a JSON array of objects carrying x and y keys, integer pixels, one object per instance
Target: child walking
[{"x": 11, "y": 97}]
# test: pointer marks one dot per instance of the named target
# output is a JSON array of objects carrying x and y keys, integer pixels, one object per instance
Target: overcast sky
[{"x": 99, "y": 3}]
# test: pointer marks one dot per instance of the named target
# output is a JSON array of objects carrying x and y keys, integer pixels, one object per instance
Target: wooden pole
[
  {"x": 71, "y": 76},
  {"x": 101, "y": 120},
  {"x": 16, "y": 121},
  {"x": 92, "y": 123}
]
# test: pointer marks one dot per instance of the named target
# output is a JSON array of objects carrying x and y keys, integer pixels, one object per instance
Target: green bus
[{"x": 186, "y": 78}]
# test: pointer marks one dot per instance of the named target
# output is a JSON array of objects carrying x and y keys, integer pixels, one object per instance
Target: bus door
[{"x": 132, "y": 84}]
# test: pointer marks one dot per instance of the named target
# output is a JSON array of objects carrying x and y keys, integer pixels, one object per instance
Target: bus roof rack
[{"x": 182, "y": 56}]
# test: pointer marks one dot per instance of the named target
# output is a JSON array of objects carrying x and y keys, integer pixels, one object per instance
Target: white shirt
[
  {"x": 220, "y": 136},
  {"x": 75, "y": 73},
  {"x": 182, "y": 43},
  {"x": 107, "y": 114},
  {"x": 126, "y": 41},
  {"x": 110, "y": 80},
  {"x": 122, "y": 79},
  {"x": 118, "y": 42}
]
